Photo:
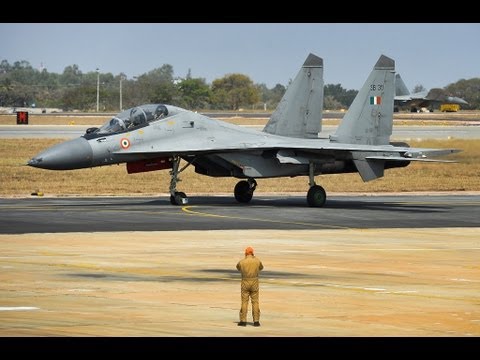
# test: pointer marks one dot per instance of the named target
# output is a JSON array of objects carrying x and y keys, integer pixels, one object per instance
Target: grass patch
[{"x": 20, "y": 180}]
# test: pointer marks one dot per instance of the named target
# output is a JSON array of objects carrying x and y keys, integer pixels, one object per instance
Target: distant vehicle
[
  {"x": 449, "y": 107},
  {"x": 156, "y": 136},
  {"x": 427, "y": 99}
]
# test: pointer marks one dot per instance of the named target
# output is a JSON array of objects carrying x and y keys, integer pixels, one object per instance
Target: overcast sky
[{"x": 432, "y": 54}]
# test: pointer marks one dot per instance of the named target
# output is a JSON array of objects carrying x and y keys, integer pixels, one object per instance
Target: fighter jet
[
  {"x": 422, "y": 99},
  {"x": 158, "y": 136}
]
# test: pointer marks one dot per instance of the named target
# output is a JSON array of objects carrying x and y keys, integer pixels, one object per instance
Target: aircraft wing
[
  {"x": 314, "y": 147},
  {"x": 400, "y": 158}
]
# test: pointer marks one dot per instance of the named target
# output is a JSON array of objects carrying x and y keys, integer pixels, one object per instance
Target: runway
[
  {"x": 404, "y": 132},
  {"x": 103, "y": 214}
]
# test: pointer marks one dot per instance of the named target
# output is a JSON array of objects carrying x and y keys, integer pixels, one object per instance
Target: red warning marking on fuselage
[{"x": 125, "y": 143}]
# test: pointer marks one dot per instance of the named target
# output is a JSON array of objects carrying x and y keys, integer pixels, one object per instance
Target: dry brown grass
[{"x": 20, "y": 180}]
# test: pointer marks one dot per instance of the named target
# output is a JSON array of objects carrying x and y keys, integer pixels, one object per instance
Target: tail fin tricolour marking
[
  {"x": 370, "y": 117},
  {"x": 299, "y": 113}
]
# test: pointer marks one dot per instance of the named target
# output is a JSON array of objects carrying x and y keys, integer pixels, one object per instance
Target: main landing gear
[
  {"x": 244, "y": 190},
  {"x": 316, "y": 195}
]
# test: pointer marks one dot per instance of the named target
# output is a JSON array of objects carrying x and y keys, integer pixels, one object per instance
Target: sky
[{"x": 430, "y": 54}]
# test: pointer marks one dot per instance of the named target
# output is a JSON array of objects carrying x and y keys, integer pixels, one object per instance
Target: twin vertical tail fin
[
  {"x": 369, "y": 119},
  {"x": 400, "y": 87},
  {"x": 299, "y": 113}
]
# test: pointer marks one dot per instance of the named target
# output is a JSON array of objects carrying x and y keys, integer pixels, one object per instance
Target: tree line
[{"x": 22, "y": 85}]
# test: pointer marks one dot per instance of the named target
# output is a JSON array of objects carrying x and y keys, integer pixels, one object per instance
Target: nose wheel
[
  {"x": 176, "y": 197},
  {"x": 244, "y": 190},
  {"x": 180, "y": 198}
]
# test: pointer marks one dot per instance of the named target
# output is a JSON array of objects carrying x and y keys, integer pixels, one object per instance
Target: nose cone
[
  {"x": 456, "y": 100},
  {"x": 72, "y": 154}
]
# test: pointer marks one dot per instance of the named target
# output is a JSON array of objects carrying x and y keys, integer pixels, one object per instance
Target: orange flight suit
[{"x": 250, "y": 266}]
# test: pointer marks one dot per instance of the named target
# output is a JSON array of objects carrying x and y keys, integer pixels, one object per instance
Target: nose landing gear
[{"x": 176, "y": 197}]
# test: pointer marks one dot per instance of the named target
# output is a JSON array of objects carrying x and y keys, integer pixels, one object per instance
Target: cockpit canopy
[{"x": 133, "y": 118}]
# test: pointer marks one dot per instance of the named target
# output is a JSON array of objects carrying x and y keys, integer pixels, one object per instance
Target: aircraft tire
[
  {"x": 242, "y": 191},
  {"x": 316, "y": 196},
  {"x": 178, "y": 198}
]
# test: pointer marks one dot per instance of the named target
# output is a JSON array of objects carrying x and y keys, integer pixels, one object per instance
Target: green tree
[
  {"x": 233, "y": 91},
  {"x": 418, "y": 88},
  {"x": 194, "y": 93},
  {"x": 157, "y": 85},
  {"x": 469, "y": 90},
  {"x": 270, "y": 97},
  {"x": 71, "y": 75},
  {"x": 5, "y": 67},
  {"x": 330, "y": 103},
  {"x": 342, "y": 96},
  {"x": 277, "y": 93}
]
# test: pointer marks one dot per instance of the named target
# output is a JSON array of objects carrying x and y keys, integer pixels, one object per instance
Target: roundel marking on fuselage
[{"x": 125, "y": 143}]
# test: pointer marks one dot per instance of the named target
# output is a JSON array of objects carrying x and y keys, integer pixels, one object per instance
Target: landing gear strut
[
  {"x": 316, "y": 195},
  {"x": 176, "y": 197},
  {"x": 244, "y": 190}
]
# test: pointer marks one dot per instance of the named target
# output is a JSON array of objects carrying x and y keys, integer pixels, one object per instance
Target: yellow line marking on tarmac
[{"x": 188, "y": 210}]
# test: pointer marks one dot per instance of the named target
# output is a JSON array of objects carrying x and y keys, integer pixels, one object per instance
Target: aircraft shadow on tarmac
[
  {"x": 220, "y": 275},
  {"x": 299, "y": 202},
  {"x": 387, "y": 203},
  {"x": 391, "y": 204}
]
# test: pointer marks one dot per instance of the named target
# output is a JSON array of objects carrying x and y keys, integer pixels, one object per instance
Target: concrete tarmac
[
  {"x": 382, "y": 282},
  {"x": 274, "y": 211}
]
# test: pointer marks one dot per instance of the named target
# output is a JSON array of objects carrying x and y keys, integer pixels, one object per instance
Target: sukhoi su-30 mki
[{"x": 159, "y": 136}]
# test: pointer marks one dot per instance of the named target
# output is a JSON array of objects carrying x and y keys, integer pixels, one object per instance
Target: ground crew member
[{"x": 250, "y": 266}]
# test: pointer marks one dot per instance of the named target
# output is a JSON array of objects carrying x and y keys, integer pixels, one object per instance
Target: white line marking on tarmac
[
  {"x": 375, "y": 289},
  {"x": 17, "y": 308},
  {"x": 455, "y": 279},
  {"x": 379, "y": 290}
]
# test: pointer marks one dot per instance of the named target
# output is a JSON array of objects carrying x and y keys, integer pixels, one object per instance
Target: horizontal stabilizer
[
  {"x": 423, "y": 153},
  {"x": 401, "y": 158},
  {"x": 370, "y": 169}
]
